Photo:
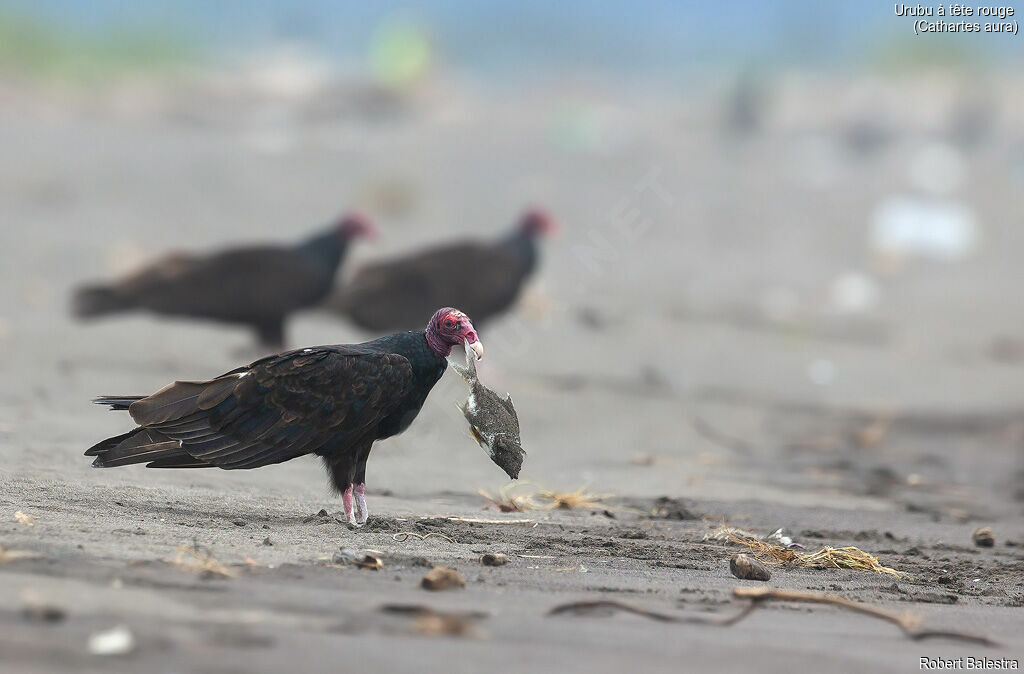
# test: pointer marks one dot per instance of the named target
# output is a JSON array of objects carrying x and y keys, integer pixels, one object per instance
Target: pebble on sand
[
  {"x": 442, "y": 578},
  {"x": 360, "y": 561},
  {"x": 494, "y": 559},
  {"x": 747, "y": 568},
  {"x": 983, "y": 537}
]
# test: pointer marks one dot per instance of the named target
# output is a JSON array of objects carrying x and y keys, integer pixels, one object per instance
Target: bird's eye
[{"x": 449, "y": 323}]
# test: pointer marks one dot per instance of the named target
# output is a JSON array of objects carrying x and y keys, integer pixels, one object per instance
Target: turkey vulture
[
  {"x": 256, "y": 286},
  {"x": 399, "y": 294},
  {"x": 332, "y": 401}
]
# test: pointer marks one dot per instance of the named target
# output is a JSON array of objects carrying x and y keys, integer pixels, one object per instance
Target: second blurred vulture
[
  {"x": 483, "y": 277},
  {"x": 257, "y": 286}
]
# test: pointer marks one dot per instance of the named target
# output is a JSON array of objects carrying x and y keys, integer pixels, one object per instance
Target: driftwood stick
[
  {"x": 403, "y": 536},
  {"x": 718, "y": 437},
  {"x": 613, "y": 606},
  {"x": 910, "y": 625}
]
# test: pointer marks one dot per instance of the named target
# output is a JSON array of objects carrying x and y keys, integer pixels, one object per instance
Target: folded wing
[{"x": 274, "y": 410}]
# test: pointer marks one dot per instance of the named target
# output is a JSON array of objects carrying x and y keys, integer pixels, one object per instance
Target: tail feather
[
  {"x": 140, "y": 445},
  {"x": 184, "y": 461},
  {"x": 98, "y": 300},
  {"x": 117, "y": 402}
]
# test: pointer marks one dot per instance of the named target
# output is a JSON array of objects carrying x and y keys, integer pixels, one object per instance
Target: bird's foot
[
  {"x": 360, "y": 498},
  {"x": 346, "y": 498}
]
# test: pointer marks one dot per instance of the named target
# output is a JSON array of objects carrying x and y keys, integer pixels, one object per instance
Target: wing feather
[{"x": 279, "y": 408}]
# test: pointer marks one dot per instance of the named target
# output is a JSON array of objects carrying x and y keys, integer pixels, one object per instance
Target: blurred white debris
[
  {"x": 821, "y": 371},
  {"x": 726, "y": 532},
  {"x": 779, "y": 303},
  {"x": 24, "y": 518},
  {"x": 286, "y": 73},
  {"x": 115, "y": 641},
  {"x": 937, "y": 168},
  {"x": 780, "y": 536},
  {"x": 853, "y": 292},
  {"x": 923, "y": 227}
]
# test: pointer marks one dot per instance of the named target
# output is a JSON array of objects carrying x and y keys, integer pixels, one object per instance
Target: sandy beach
[{"x": 713, "y": 338}]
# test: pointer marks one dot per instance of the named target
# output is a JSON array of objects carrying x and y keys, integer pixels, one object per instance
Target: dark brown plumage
[
  {"x": 332, "y": 401},
  {"x": 258, "y": 286},
  {"x": 483, "y": 277}
]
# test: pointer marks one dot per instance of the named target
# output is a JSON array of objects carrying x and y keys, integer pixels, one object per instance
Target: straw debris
[
  {"x": 849, "y": 557},
  {"x": 197, "y": 560},
  {"x": 507, "y": 500}
]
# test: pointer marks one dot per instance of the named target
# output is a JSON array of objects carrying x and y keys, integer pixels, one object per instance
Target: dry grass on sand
[
  {"x": 194, "y": 559},
  {"x": 827, "y": 557},
  {"x": 539, "y": 498}
]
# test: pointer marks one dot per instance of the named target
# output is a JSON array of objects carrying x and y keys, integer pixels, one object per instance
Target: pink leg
[
  {"x": 361, "y": 512},
  {"x": 346, "y": 498}
]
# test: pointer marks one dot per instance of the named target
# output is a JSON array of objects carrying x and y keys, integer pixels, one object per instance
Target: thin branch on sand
[
  {"x": 477, "y": 520},
  {"x": 403, "y": 536},
  {"x": 910, "y": 625},
  {"x": 720, "y": 438}
]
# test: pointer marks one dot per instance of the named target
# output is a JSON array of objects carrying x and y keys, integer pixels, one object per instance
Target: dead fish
[{"x": 492, "y": 421}]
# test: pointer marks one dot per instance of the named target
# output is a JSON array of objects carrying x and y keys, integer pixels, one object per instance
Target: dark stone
[{"x": 746, "y": 567}]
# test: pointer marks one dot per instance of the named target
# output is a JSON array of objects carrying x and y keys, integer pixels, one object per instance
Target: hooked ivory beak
[{"x": 477, "y": 347}]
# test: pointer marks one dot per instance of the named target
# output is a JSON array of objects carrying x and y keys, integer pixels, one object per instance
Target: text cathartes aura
[{"x": 332, "y": 401}]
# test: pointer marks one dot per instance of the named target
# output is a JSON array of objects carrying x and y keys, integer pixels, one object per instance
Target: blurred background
[
  {"x": 785, "y": 291},
  {"x": 782, "y": 227}
]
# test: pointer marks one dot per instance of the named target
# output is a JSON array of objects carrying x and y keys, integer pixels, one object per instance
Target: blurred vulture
[
  {"x": 483, "y": 278},
  {"x": 257, "y": 286},
  {"x": 331, "y": 401}
]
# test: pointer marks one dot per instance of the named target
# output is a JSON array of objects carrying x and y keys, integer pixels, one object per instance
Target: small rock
[
  {"x": 747, "y": 568},
  {"x": 239, "y": 523},
  {"x": 366, "y": 562},
  {"x": 322, "y": 517},
  {"x": 116, "y": 641},
  {"x": 35, "y": 610},
  {"x": 983, "y": 537},
  {"x": 494, "y": 559},
  {"x": 267, "y": 541},
  {"x": 672, "y": 509},
  {"x": 442, "y": 578}
]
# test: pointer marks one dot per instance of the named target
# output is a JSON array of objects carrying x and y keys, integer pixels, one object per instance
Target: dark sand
[{"x": 664, "y": 366}]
